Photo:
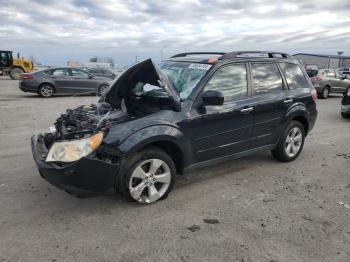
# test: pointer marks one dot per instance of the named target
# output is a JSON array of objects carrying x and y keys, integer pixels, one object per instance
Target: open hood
[{"x": 144, "y": 72}]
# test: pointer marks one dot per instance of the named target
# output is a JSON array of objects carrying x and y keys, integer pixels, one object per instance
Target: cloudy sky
[{"x": 54, "y": 31}]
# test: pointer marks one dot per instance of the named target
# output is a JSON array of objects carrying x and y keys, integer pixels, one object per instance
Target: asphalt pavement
[{"x": 250, "y": 209}]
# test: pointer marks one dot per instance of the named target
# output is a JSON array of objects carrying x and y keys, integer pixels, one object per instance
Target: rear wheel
[
  {"x": 291, "y": 142},
  {"x": 147, "y": 176},
  {"x": 15, "y": 73},
  {"x": 46, "y": 90},
  {"x": 325, "y": 92}
]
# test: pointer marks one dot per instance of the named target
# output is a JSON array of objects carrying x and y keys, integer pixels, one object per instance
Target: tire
[
  {"x": 102, "y": 89},
  {"x": 285, "y": 153},
  {"x": 46, "y": 90},
  {"x": 16, "y": 72},
  {"x": 325, "y": 92},
  {"x": 139, "y": 183}
]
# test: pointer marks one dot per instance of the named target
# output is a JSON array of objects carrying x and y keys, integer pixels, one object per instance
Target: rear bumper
[
  {"x": 312, "y": 119},
  {"x": 85, "y": 177},
  {"x": 26, "y": 86}
]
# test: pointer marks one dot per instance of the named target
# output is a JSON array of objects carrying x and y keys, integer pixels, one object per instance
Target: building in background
[
  {"x": 73, "y": 64},
  {"x": 89, "y": 64},
  {"x": 323, "y": 61}
]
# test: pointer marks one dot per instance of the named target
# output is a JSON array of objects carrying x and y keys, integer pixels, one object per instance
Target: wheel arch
[
  {"x": 303, "y": 121},
  {"x": 166, "y": 138},
  {"x": 299, "y": 113}
]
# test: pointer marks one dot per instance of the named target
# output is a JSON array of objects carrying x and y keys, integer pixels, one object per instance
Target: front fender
[{"x": 157, "y": 133}]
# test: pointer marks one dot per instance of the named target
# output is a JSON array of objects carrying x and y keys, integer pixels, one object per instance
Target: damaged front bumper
[{"x": 83, "y": 178}]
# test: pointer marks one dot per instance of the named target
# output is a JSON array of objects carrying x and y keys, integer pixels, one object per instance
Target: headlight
[{"x": 74, "y": 150}]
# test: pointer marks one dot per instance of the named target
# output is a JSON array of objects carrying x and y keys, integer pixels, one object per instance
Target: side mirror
[
  {"x": 91, "y": 76},
  {"x": 343, "y": 77},
  {"x": 212, "y": 98}
]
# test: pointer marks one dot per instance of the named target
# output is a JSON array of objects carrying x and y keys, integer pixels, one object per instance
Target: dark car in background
[
  {"x": 62, "y": 80},
  {"x": 193, "y": 110},
  {"x": 345, "y": 71},
  {"x": 103, "y": 72},
  {"x": 328, "y": 81},
  {"x": 345, "y": 104}
]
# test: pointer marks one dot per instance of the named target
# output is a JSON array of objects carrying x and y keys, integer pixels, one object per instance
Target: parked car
[
  {"x": 62, "y": 80},
  {"x": 102, "y": 72},
  {"x": 345, "y": 71},
  {"x": 328, "y": 81},
  {"x": 194, "y": 110},
  {"x": 345, "y": 104}
]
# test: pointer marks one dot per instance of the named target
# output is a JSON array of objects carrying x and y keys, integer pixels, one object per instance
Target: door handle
[
  {"x": 288, "y": 100},
  {"x": 247, "y": 110}
]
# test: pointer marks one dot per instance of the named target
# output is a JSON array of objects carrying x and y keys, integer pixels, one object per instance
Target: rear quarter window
[{"x": 294, "y": 76}]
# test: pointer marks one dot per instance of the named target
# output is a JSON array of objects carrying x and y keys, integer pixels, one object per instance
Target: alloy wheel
[
  {"x": 46, "y": 91},
  {"x": 294, "y": 141},
  {"x": 149, "y": 180}
]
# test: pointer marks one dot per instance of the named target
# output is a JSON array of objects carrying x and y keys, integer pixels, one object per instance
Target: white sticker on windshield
[{"x": 200, "y": 66}]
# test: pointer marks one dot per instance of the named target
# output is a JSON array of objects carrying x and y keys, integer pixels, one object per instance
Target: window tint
[
  {"x": 294, "y": 76},
  {"x": 231, "y": 80},
  {"x": 266, "y": 78},
  {"x": 60, "y": 72},
  {"x": 77, "y": 72}
]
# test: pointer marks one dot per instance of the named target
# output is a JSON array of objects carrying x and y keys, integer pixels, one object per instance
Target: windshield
[
  {"x": 184, "y": 76},
  {"x": 312, "y": 73}
]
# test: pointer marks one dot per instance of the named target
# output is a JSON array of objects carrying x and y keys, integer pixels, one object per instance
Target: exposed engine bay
[
  {"x": 139, "y": 91},
  {"x": 84, "y": 121}
]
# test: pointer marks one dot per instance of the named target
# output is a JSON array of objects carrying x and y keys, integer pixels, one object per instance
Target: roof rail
[
  {"x": 242, "y": 54},
  {"x": 197, "y": 53}
]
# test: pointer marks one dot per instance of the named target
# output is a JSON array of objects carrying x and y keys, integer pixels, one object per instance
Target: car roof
[{"x": 206, "y": 57}]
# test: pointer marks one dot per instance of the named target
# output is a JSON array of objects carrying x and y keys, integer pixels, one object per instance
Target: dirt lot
[{"x": 266, "y": 210}]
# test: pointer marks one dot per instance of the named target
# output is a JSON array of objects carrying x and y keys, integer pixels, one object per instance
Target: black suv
[{"x": 193, "y": 110}]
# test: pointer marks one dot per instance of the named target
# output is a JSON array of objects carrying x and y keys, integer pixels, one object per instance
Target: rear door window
[
  {"x": 79, "y": 73},
  {"x": 294, "y": 76},
  {"x": 266, "y": 78},
  {"x": 60, "y": 72}
]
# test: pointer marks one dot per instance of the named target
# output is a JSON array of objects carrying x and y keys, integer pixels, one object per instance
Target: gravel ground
[{"x": 250, "y": 209}]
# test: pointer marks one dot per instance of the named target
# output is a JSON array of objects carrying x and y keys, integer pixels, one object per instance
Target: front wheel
[
  {"x": 291, "y": 142},
  {"x": 147, "y": 176}
]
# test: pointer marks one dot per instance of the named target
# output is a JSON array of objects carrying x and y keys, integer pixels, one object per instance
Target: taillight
[
  {"x": 318, "y": 78},
  {"x": 314, "y": 95},
  {"x": 26, "y": 77}
]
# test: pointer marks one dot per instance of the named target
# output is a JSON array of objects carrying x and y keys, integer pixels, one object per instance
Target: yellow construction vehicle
[{"x": 14, "y": 67}]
